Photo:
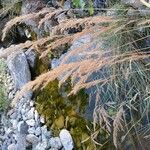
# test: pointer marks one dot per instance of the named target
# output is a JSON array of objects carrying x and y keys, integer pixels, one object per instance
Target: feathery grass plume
[
  {"x": 82, "y": 22},
  {"x": 103, "y": 118},
  {"x": 21, "y": 19},
  {"x": 22, "y": 46},
  {"x": 78, "y": 69},
  {"x": 118, "y": 126},
  {"x": 50, "y": 16}
]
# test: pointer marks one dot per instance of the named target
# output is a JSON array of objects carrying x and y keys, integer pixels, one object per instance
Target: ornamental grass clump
[{"x": 121, "y": 62}]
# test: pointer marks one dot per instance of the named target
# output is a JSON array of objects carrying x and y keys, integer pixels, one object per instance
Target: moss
[
  {"x": 40, "y": 68},
  {"x": 64, "y": 112}
]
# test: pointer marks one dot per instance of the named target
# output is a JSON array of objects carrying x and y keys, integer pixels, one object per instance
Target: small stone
[
  {"x": 55, "y": 143},
  {"x": 11, "y": 95},
  {"x": 36, "y": 115},
  {"x": 13, "y": 116},
  {"x": 38, "y": 131},
  {"x": 14, "y": 123},
  {"x": 30, "y": 114},
  {"x": 23, "y": 111},
  {"x": 45, "y": 131},
  {"x": 41, "y": 146},
  {"x": 24, "y": 118},
  {"x": 31, "y": 138},
  {"x": 31, "y": 122},
  {"x": 31, "y": 103},
  {"x": 42, "y": 120},
  {"x": 66, "y": 139},
  {"x": 22, "y": 127},
  {"x": 31, "y": 130},
  {"x": 12, "y": 147}
]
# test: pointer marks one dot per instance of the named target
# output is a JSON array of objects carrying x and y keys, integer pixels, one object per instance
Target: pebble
[
  {"x": 12, "y": 147},
  {"x": 31, "y": 138},
  {"x": 31, "y": 122},
  {"x": 38, "y": 131},
  {"x": 31, "y": 130},
  {"x": 55, "y": 142}
]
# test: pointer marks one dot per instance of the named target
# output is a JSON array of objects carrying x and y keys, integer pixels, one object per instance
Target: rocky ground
[{"x": 22, "y": 127}]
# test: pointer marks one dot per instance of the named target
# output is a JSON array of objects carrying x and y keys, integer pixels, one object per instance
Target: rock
[
  {"x": 14, "y": 123},
  {"x": 31, "y": 130},
  {"x": 42, "y": 119},
  {"x": 19, "y": 69},
  {"x": 30, "y": 7},
  {"x": 99, "y": 3},
  {"x": 12, "y": 147},
  {"x": 66, "y": 139},
  {"x": 31, "y": 103},
  {"x": 40, "y": 146},
  {"x": 13, "y": 116},
  {"x": 31, "y": 58},
  {"x": 21, "y": 141},
  {"x": 31, "y": 122},
  {"x": 55, "y": 143},
  {"x": 38, "y": 131},
  {"x": 30, "y": 114},
  {"x": 67, "y": 4},
  {"x": 22, "y": 127},
  {"x": 36, "y": 116},
  {"x": 45, "y": 132},
  {"x": 23, "y": 111},
  {"x": 11, "y": 95},
  {"x": 133, "y": 3},
  {"x": 31, "y": 138},
  {"x": 62, "y": 17}
]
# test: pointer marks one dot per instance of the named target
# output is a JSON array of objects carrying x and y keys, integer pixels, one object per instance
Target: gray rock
[
  {"x": 19, "y": 69},
  {"x": 23, "y": 111},
  {"x": 22, "y": 127},
  {"x": 13, "y": 116},
  {"x": 4, "y": 146},
  {"x": 31, "y": 130},
  {"x": 12, "y": 147},
  {"x": 45, "y": 131},
  {"x": 31, "y": 122},
  {"x": 38, "y": 131},
  {"x": 11, "y": 95},
  {"x": 62, "y": 17},
  {"x": 99, "y": 3},
  {"x": 36, "y": 115},
  {"x": 67, "y": 4},
  {"x": 134, "y": 3},
  {"x": 55, "y": 143},
  {"x": 14, "y": 123},
  {"x": 21, "y": 141},
  {"x": 30, "y": 114},
  {"x": 66, "y": 139},
  {"x": 31, "y": 58},
  {"x": 31, "y": 103},
  {"x": 31, "y": 138},
  {"x": 41, "y": 146},
  {"x": 42, "y": 120}
]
